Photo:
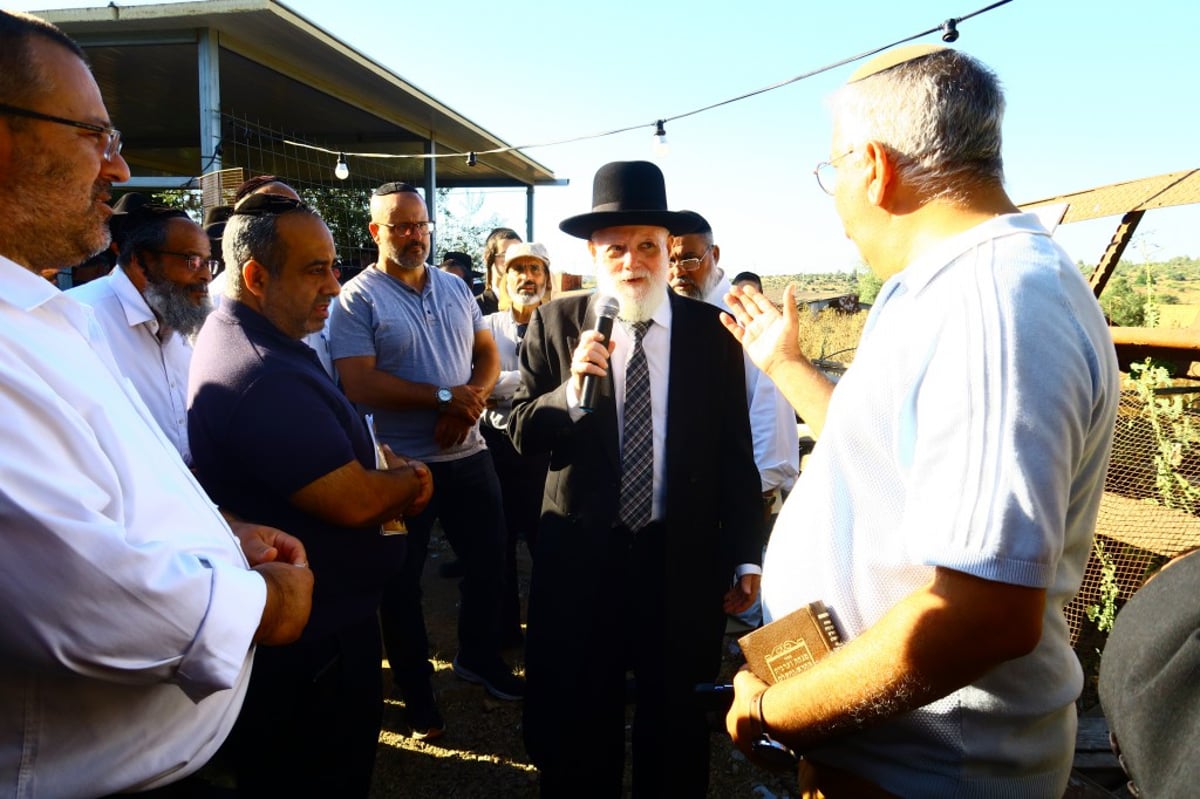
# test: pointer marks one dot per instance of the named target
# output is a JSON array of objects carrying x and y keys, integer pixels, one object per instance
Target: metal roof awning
[
  {"x": 174, "y": 75},
  {"x": 1160, "y": 191},
  {"x": 1131, "y": 200}
]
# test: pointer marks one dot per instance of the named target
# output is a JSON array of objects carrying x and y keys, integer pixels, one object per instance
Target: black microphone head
[{"x": 608, "y": 307}]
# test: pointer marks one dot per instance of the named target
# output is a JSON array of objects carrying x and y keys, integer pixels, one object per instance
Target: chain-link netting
[{"x": 1151, "y": 495}]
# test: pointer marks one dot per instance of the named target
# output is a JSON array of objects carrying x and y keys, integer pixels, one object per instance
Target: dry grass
[{"x": 830, "y": 335}]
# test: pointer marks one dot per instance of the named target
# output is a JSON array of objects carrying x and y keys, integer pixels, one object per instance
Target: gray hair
[
  {"x": 252, "y": 236},
  {"x": 939, "y": 115}
]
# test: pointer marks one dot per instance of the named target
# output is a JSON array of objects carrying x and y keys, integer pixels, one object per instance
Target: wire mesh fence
[
  {"x": 1151, "y": 502},
  {"x": 258, "y": 149}
]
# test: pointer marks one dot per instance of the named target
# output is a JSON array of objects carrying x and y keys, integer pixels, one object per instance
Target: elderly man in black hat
[{"x": 651, "y": 506}]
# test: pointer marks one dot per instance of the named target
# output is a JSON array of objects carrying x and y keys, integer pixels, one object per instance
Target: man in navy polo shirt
[
  {"x": 411, "y": 347},
  {"x": 275, "y": 441}
]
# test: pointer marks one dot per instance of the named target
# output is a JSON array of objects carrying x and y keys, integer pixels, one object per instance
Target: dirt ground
[{"x": 481, "y": 755}]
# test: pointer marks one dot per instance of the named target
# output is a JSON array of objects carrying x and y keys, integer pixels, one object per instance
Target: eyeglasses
[
  {"x": 408, "y": 228},
  {"x": 826, "y": 173},
  {"x": 110, "y": 135},
  {"x": 193, "y": 261},
  {"x": 691, "y": 264}
]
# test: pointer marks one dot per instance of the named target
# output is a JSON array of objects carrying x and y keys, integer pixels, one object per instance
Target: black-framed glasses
[
  {"x": 408, "y": 228},
  {"x": 826, "y": 173},
  {"x": 193, "y": 261},
  {"x": 111, "y": 136},
  {"x": 691, "y": 264}
]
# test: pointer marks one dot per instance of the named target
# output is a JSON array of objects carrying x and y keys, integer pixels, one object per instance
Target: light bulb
[
  {"x": 342, "y": 170},
  {"x": 660, "y": 139}
]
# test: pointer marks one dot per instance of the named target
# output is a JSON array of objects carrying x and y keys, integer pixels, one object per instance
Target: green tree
[
  {"x": 345, "y": 212},
  {"x": 1122, "y": 305},
  {"x": 868, "y": 285},
  {"x": 460, "y": 226}
]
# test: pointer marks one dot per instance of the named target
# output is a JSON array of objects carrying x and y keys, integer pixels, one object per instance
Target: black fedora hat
[
  {"x": 132, "y": 210},
  {"x": 628, "y": 193},
  {"x": 215, "y": 218}
]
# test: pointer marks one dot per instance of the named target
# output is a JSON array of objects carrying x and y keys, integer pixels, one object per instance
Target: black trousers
[
  {"x": 522, "y": 483},
  {"x": 310, "y": 722},
  {"x": 466, "y": 498},
  {"x": 575, "y": 710}
]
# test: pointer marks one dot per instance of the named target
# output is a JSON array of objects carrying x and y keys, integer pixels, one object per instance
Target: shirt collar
[
  {"x": 29, "y": 291},
  {"x": 926, "y": 267},
  {"x": 137, "y": 310},
  {"x": 662, "y": 314},
  {"x": 242, "y": 314}
]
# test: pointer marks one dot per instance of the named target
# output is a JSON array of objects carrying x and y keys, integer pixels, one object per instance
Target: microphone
[{"x": 607, "y": 309}]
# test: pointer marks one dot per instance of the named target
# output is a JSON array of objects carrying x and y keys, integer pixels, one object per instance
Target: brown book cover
[{"x": 791, "y": 644}]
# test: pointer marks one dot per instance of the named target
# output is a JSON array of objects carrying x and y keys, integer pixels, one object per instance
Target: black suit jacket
[{"x": 713, "y": 509}]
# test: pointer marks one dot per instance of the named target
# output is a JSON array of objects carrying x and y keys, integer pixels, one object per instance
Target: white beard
[
  {"x": 523, "y": 301},
  {"x": 635, "y": 306}
]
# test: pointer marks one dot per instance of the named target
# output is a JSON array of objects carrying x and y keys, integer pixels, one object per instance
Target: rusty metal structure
[{"x": 1151, "y": 506}]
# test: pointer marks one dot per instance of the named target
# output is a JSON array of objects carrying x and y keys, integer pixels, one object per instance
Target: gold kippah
[{"x": 891, "y": 58}]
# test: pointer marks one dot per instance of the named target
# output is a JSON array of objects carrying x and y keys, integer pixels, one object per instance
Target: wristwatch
[
  {"x": 771, "y": 753},
  {"x": 443, "y": 398}
]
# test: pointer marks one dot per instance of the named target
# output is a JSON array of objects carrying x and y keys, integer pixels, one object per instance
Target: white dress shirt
[
  {"x": 157, "y": 367},
  {"x": 656, "y": 342},
  {"x": 772, "y": 419},
  {"x": 129, "y": 610}
]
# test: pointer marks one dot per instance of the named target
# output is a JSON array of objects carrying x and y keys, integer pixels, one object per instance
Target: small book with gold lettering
[{"x": 791, "y": 644}]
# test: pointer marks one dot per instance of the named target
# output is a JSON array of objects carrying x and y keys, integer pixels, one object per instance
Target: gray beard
[
  {"x": 520, "y": 300},
  {"x": 173, "y": 306}
]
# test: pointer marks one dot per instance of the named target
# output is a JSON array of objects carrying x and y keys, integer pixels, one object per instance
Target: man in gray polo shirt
[{"x": 411, "y": 347}]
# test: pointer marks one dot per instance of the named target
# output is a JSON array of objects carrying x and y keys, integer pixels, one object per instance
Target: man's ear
[
  {"x": 255, "y": 278},
  {"x": 373, "y": 228},
  {"x": 881, "y": 174},
  {"x": 716, "y": 254}
]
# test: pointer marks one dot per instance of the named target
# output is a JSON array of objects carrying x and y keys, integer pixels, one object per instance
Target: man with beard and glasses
[
  {"x": 651, "y": 522},
  {"x": 277, "y": 442},
  {"x": 151, "y": 305},
  {"x": 131, "y": 612},
  {"x": 695, "y": 273},
  {"x": 412, "y": 349},
  {"x": 525, "y": 287}
]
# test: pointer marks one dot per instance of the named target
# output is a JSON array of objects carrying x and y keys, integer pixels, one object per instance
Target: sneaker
[
  {"x": 499, "y": 681},
  {"x": 421, "y": 712}
]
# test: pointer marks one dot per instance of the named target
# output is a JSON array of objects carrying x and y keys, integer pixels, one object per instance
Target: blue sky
[{"x": 1099, "y": 91}]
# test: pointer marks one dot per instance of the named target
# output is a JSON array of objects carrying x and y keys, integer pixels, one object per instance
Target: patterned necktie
[{"x": 637, "y": 452}]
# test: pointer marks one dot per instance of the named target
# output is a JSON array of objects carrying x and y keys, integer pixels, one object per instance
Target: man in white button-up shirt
[
  {"x": 130, "y": 608},
  {"x": 151, "y": 305}
]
